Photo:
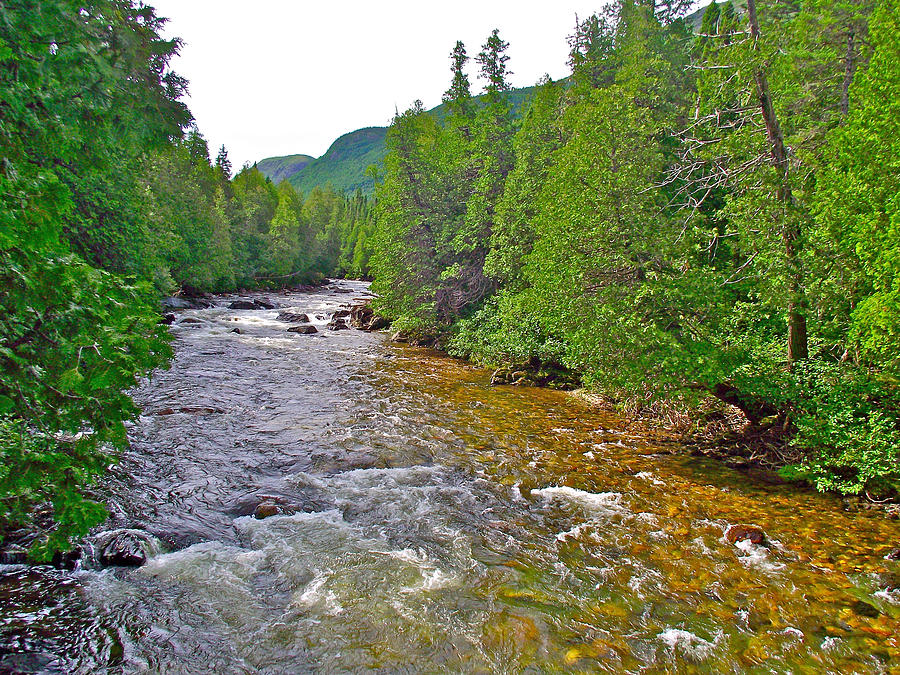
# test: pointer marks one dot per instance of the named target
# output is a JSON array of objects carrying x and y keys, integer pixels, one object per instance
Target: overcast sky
[{"x": 278, "y": 77}]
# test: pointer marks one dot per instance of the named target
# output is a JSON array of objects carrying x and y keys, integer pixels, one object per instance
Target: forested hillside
[
  {"x": 278, "y": 169},
  {"x": 346, "y": 165},
  {"x": 707, "y": 219}
]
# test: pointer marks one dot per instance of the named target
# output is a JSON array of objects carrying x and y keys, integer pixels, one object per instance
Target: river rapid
[{"x": 432, "y": 523}]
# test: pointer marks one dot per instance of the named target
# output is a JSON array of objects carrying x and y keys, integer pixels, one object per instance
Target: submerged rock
[
  {"x": 236, "y": 330},
  {"x": 190, "y": 319},
  {"x": 303, "y": 330},
  {"x": 751, "y": 533}
]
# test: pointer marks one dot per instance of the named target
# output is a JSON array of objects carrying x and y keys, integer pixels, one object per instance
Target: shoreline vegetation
[{"x": 702, "y": 216}]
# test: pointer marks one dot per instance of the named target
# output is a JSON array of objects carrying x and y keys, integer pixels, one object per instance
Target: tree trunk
[{"x": 797, "y": 343}]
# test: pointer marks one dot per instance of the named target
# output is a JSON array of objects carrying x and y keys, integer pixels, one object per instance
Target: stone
[
  {"x": 362, "y": 316},
  {"x": 500, "y": 376},
  {"x": 190, "y": 319},
  {"x": 751, "y": 533},
  {"x": 303, "y": 330},
  {"x": 292, "y": 317},
  {"x": 13, "y": 554},
  {"x": 266, "y": 510},
  {"x": 236, "y": 330},
  {"x": 340, "y": 314},
  {"x": 337, "y": 324},
  {"x": 243, "y": 304},
  {"x": 167, "y": 319},
  {"x": 177, "y": 303},
  {"x": 126, "y": 548}
]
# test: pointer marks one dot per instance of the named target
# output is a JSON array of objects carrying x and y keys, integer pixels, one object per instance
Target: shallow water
[{"x": 440, "y": 526}]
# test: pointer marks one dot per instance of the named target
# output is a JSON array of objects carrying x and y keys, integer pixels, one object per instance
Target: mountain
[
  {"x": 344, "y": 164},
  {"x": 282, "y": 168},
  {"x": 695, "y": 19}
]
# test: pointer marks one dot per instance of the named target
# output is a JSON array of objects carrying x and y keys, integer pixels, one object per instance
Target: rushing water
[{"x": 437, "y": 525}]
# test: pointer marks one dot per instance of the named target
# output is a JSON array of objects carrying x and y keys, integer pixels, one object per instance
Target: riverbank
[{"x": 705, "y": 427}]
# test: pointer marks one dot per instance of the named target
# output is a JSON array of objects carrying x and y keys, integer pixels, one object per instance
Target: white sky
[{"x": 278, "y": 77}]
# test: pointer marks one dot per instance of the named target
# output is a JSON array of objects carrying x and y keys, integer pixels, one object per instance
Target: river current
[{"x": 431, "y": 523}]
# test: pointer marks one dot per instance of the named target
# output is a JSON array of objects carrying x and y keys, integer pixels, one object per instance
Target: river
[{"x": 432, "y": 523}]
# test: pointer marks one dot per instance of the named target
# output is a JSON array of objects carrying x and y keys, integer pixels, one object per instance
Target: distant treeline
[{"x": 689, "y": 216}]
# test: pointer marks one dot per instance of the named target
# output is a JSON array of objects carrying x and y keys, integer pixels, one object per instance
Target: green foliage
[
  {"x": 857, "y": 199},
  {"x": 73, "y": 341},
  {"x": 848, "y": 422},
  {"x": 668, "y": 230}
]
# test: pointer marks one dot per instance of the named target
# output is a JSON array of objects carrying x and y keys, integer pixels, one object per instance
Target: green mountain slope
[
  {"x": 695, "y": 19},
  {"x": 344, "y": 164},
  {"x": 281, "y": 168}
]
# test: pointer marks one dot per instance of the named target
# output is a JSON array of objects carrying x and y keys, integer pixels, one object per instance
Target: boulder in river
[
  {"x": 177, "y": 303},
  {"x": 236, "y": 330},
  {"x": 303, "y": 329},
  {"x": 190, "y": 319},
  {"x": 167, "y": 319},
  {"x": 337, "y": 324},
  {"x": 126, "y": 548},
  {"x": 340, "y": 314},
  {"x": 751, "y": 533},
  {"x": 266, "y": 510},
  {"x": 260, "y": 303},
  {"x": 274, "y": 506},
  {"x": 362, "y": 316},
  {"x": 292, "y": 317}
]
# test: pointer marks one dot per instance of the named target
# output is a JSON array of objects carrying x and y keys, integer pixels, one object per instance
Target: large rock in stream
[
  {"x": 126, "y": 548},
  {"x": 362, "y": 316},
  {"x": 303, "y": 329},
  {"x": 752, "y": 533},
  {"x": 260, "y": 303},
  {"x": 292, "y": 317}
]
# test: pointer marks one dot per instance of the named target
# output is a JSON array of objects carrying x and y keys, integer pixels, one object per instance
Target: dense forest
[
  {"x": 704, "y": 219},
  {"x": 689, "y": 217}
]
